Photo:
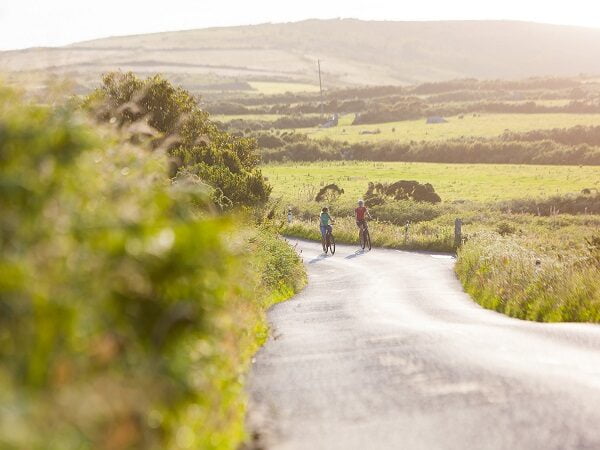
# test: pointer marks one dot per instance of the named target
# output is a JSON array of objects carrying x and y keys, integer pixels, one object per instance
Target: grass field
[
  {"x": 484, "y": 125},
  {"x": 257, "y": 117},
  {"x": 274, "y": 87},
  {"x": 253, "y": 117},
  {"x": 475, "y": 182}
]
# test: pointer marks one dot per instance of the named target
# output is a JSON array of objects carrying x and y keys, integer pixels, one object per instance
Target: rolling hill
[{"x": 353, "y": 52}]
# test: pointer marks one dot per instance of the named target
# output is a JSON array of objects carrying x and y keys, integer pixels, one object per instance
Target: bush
[
  {"x": 490, "y": 151},
  {"x": 505, "y": 229},
  {"x": 227, "y": 163},
  {"x": 269, "y": 141},
  {"x": 379, "y": 193},
  {"x": 329, "y": 193}
]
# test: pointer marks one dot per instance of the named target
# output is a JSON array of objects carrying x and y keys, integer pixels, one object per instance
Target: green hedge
[{"x": 128, "y": 310}]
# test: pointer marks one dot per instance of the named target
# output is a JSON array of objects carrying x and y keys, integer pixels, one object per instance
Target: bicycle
[
  {"x": 364, "y": 238},
  {"x": 329, "y": 241}
]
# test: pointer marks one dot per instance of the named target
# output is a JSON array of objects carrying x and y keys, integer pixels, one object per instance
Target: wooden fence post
[{"x": 457, "y": 232}]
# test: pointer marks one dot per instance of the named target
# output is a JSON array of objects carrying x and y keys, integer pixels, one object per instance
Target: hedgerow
[{"x": 130, "y": 306}]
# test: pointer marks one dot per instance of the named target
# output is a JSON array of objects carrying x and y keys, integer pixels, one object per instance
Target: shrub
[
  {"x": 269, "y": 141},
  {"x": 329, "y": 193},
  {"x": 476, "y": 150},
  {"x": 505, "y": 229},
  {"x": 379, "y": 193},
  {"x": 228, "y": 163}
]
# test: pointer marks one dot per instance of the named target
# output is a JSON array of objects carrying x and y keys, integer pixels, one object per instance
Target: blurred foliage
[
  {"x": 129, "y": 308},
  {"x": 227, "y": 163}
]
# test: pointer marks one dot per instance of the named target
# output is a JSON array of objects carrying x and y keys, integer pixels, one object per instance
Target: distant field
[
  {"x": 476, "y": 182},
  {"x": 257, "y": 117},
  {"x": 273, "y": 87},
  {"x": 556, "y": 102},
  {"x": 484, "y": 125}
]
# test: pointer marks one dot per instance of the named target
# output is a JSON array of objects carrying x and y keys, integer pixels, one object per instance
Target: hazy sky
[{"x": 26, "y": 23}]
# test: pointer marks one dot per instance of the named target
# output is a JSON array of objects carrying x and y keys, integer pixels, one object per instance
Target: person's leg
[
  {"x": 360, "y": 225},
  {"x": 323, "y": 229}
]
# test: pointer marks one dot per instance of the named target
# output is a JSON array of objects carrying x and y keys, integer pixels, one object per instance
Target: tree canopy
[{"x": 172, "y": 118}]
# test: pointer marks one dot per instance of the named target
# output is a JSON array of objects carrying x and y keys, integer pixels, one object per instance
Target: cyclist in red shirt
[{"x": 361, "y": 212}]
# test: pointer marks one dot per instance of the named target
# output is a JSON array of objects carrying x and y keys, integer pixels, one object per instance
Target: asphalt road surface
[{"x": 384, "y": 350}]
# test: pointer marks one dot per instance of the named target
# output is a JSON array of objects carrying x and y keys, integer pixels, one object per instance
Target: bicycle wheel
[
  {"x": 324, "y": 244},
  {"x": 332, "y": 244},
  {"x": 368, "y": 239}
]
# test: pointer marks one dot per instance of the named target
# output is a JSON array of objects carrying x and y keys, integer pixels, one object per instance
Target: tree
[
  {"x": 227, "y": 163},
  {"x": 379, "y": 193}
]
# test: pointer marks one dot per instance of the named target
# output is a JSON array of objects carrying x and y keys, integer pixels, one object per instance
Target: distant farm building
[{"x": 436, "y": 119}]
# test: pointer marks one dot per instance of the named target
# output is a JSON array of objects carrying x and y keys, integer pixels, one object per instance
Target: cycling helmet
[{"x": 361, "y": 203}]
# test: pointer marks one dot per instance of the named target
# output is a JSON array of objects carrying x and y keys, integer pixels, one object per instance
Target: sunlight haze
[
  {"x": 30, "y": 23},
  {"x": 313, "y": 224}
]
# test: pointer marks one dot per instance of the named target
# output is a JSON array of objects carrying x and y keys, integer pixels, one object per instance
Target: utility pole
[{"x": 320, "y": 86}]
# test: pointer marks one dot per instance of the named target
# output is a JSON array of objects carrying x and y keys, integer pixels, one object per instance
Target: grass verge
[
  {"x": 501, "y": 275},
  {"x": 276, "y": 274}
]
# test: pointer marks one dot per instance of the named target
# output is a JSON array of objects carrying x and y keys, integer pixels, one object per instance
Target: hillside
[{"x": 353, "y": 52}]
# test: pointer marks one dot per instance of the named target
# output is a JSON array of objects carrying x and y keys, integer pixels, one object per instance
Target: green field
[
  {"x": 253, "y": 117},
  {"x": 257, "y": 117},
  {"x": 483, "y": 125},
  {"x": 274, "y": 87},
  {"x": 475, "y": 182}
]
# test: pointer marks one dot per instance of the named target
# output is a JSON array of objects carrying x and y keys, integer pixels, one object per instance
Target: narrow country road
[{"x": 384, "y": 350}]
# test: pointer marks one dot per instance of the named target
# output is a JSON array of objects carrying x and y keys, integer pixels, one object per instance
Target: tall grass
[
  {"x": 420, "y": 236},
  {"x": 506, "y": 277}
]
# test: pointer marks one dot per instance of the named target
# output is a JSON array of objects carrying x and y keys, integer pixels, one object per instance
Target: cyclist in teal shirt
[{"x": 324, "y": 220}]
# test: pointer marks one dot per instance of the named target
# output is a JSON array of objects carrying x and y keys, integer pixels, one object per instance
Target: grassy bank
[
  {"x": 274, "y": 273},
  {"x": 507, "y": 277}
]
